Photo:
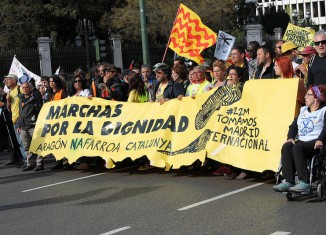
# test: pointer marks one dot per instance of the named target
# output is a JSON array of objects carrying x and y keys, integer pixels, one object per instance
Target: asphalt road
[{"x": 126, "y": 201}]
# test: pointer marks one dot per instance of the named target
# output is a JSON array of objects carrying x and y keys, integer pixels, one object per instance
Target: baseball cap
[
  {"x": 288, "y": 46},
  {"x": 13, "y": 76},
  {"x": 308, "y": 50}
]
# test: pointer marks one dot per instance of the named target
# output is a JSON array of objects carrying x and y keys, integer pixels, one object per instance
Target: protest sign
[
  {"x": 224, "y": 45},
  {"x": 301, "y": 37},
  {"x": 245, "y": 131}
]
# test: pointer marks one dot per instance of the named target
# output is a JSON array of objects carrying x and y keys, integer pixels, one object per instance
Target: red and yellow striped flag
[{"x": 189, "y": 36}]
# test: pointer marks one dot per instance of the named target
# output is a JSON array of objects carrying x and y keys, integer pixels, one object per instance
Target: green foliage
[
  {"x": 58, "y": 19},
  {"x": 17, "y": 20},
  {"x": 274, "y": 19},
  {"x": 216, "y": 14}
]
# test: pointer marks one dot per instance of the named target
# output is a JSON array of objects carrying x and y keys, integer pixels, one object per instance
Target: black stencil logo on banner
[
  {"x": 197, "y": 145},
  {"x": 223, "y": 96}
]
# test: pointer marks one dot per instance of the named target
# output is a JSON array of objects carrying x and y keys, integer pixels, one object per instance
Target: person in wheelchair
[{"x": 310, "y": 130}]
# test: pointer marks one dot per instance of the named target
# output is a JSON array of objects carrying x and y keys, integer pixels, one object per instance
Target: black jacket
[
  {"x": 29, "y": 109},
  {"x": 269, "y": 72},
  {"x": 172, "y": 90}
]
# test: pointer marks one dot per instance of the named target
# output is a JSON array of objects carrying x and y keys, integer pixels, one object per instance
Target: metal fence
[
  {"x": 71, "y": 58},
  {"x": 133, "y": 52},
  {"x": 29, "y": 57}
]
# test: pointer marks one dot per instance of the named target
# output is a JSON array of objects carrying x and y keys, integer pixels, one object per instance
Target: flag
[
  {"x": 189, "y": 36},
  {"x": 131, "y": 66},
  {"x": 57, "y": 71},
  {"x": 23, "y": 74},
  {"x": 224, "y": 45}
]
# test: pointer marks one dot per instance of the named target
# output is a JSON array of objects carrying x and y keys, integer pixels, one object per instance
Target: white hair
[{"x": 320, "y": 32}]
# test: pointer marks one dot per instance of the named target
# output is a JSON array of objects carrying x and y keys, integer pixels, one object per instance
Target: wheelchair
[{"x": 317, "y": 177}]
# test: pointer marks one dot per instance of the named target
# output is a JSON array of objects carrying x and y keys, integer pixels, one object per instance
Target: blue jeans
[{"x": 21, "y": 146}]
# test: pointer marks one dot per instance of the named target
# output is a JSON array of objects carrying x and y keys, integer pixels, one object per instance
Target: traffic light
[{"x": 101, "y": 50}]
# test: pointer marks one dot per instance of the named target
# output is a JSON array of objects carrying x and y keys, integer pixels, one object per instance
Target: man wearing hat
[
  {"x": 289, "y": 49},
  {"x": 317, "y": 64},
  {"x": 13, "y": 108},
  {"x": 302, "y": 69}
]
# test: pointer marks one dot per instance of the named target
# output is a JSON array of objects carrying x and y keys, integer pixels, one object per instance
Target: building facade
[{"x": 316, "y": 8}]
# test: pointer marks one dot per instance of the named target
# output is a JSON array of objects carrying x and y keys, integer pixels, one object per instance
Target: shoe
[
  {"x": 10, "y": 163},
  {"x": 57, "y": 166},
  {"x": 39, "y": 168},
  {"x": 231, "y": 176},
  {"x": 300, "y": 187},
  {"x": 222, "y": 170},
  {"x": 243, "y": 175},
  {"x": 29, "y": 168},
  {"x": 282, "y": 187},
  {"x": 266, "y": 176},
  {"x": 22, "y": 165},
  {"x": 83, "y": 166},
  {"x": 145, "y": 167},
  {"x": 68, "y": 166}
]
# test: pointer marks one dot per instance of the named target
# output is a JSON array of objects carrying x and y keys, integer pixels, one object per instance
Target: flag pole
[{"x": 167, "y": 45}]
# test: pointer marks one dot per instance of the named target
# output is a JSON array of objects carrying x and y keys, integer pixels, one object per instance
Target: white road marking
[
  {"x": 116, "y": 230},
  {"x": 219, "y": 197},
  {"x": 280, "y": 233},
  {"x": 219, "y": 149},
  {"x": 81, "y": 178}
]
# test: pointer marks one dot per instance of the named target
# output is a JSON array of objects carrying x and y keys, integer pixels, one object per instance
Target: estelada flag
[{"x": 189, "y": 36}]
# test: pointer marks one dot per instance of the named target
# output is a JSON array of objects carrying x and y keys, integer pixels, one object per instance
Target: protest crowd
[{"x": 162, "y": 83}]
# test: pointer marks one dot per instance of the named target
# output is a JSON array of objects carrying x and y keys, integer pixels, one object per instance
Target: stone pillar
[
  {"x": 254, "y": 33},
  {"x": 117, "y": 50},
  {"x": 277, "y": 33},
  {"x": 45, "y": 55}
]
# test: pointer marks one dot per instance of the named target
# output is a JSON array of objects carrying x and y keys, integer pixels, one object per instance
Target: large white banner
[{"x": 23, "y": 74}]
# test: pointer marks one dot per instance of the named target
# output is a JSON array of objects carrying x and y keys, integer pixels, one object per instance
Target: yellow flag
[{"x": 189, "y": 36}]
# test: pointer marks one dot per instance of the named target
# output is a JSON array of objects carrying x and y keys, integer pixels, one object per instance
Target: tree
[
  {"x": 216, "y": 14},
  {"x": 23, "y": 21},
  {"x": 61, "y": 16},
  {"x": 274, "y": 19},
  {"x": 18, "y": 26}
]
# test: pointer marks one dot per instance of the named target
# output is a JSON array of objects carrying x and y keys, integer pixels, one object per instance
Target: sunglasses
[
  {"x": 78, "y": 81},
  {"x": 113, "y": 71},
  {"x": 279, "y": 47},
  {"x": 323, "y": 42}
]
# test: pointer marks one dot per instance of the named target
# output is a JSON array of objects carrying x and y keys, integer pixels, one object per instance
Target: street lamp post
[
  {"x": 144, "y": 35},
  {"x": 85, "y": 28}
]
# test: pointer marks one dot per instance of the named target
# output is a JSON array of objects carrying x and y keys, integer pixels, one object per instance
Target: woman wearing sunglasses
[{"x": 78, "y": 87}]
